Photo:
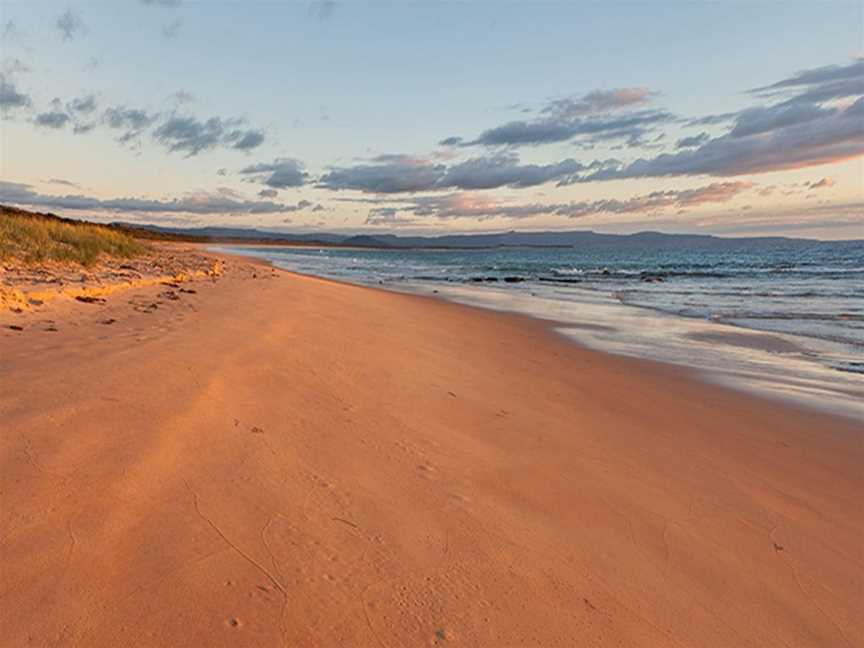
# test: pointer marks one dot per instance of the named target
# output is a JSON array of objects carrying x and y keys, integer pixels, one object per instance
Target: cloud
[
  {"x": 70, "y": 25},
  {"x": 719, "y": 192},
  {"x": 10, "y": 97},
  {"x": 589, "y": 117},
  {"x": 451, "y": 141},
  {"x": 505, "y": 171},
  {"x": 132, "y": 121},
  {"x": 763, "y": 119},
  {"x": 10, "y": 29},
  {"x": 322, "y": 9},
  {"x": 55, "y": 119},
  {"x": 598, "y": 101},
  {"x": 268, "y": 193},
  {"x": 14, "y": 66},
  {"x": 172, "y": 29},
  {"x": 162, "y": 3},
  {"x": 820, "y": 84},
  {"x": 479, "y": 207},
  {"x": 65, "y": 183},
  {"x": 406, "y": 174},
  {"x": 85, "y": 105},
  {"x": 561, "y": 128},
  {"x": 279, "y": 174},
  {"x": 711, "y": 120},
  {"x": 220, "y": 202},
  {"x": 694, "y": 140},
  {"x": 824, "y": 183},
  {"x": 182, "y": 97},
  {"x": 389, "y": 174},
  {"x": 176, "y": 132},
  {"x": 833, "y": 136},
  {"x": 471, "y": 205},
  {"x": 245, "y": 140},
  {"x": 192, "y": 136}
]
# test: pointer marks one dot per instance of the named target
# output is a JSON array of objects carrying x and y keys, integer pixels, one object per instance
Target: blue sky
[{"x": 330, "y": 115}]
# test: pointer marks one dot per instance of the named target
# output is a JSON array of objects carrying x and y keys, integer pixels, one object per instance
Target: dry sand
[{"x": 276, "y": 460}]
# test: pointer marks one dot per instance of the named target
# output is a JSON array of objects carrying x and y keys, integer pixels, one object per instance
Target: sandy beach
[{"x": 258, "y": 458}]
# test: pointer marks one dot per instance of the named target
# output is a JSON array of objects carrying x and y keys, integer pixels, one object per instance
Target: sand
[{"x": 277, "y": 460}]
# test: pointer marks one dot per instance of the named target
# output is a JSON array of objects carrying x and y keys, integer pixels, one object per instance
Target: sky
[{"x": 737, "y": 119}]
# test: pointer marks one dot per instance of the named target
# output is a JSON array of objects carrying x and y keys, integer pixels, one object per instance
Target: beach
[{"x": 252, "y": 457}]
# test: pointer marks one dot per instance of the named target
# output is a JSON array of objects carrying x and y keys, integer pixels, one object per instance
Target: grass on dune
[{"x": 35, "y": 238}]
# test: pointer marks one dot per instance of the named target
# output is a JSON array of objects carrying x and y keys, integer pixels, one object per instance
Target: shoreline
[
  {"x": 280, "y": 459},
  {"x": 734, "y": 350}
]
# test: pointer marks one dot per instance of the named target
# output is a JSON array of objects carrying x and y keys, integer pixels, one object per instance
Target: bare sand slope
[{"x": 286, "y": 461}]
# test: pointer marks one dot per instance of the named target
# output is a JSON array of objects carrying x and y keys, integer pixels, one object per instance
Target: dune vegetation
[{"x": 35, "y": 238}]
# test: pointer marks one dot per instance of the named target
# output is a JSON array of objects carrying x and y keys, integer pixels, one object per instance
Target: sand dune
[{"x": 276, "y": 460}]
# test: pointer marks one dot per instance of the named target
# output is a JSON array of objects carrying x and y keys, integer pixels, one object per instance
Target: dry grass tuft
[{"x": 34, "y": 238}]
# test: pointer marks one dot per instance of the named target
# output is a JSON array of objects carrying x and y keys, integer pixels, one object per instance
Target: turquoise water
[{"x": 784, "y": 320}]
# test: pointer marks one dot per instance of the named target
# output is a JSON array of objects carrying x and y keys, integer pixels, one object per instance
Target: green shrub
[{"x": 34, "y": 238}]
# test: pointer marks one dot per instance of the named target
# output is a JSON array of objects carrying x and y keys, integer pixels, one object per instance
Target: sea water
[{"x": 786, "y": 321}]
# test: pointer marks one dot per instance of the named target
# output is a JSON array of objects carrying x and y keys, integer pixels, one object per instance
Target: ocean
[{"x": 783, "y": 320}]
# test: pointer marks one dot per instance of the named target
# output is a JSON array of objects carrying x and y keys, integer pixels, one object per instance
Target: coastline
[
  {"x": 798, "y": 370},
  {"x": 279, "y": 458}
]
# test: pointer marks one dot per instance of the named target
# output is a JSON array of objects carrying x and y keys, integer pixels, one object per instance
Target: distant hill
[{"x": 582, "y": 239}]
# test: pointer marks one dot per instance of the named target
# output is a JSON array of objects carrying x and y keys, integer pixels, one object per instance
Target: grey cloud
[
  {"x": 405, "y": 174},
  {"x": 132, "y": 121},
  {"x": 476, "y": 207},
  {"x": 598, "y": 101},
  {"x": 81, "y": 129},
  {"x": 718, "y": 192},
  {"x": 10, "y": 96},
  {"x": 268, "y": 193},
  {"x": 172, "y": 29},
  {"x": 451, "y": 141},
  {"x": 10, "y": 29},
  {"x": 816, "y": 77},
  {"x": 392, "y": 174},
  {"x": 218, "y": 203},
  {"x": 833, "y": 136},
  {"x": 824, "y": 183},
  {"x": 15, "y": 66},
  {"x": 70, "y": 25},
  {"x": 322, "y": 9},
  {"x": 84, "y": 105},
  {"x": 55, "y": 119},
  {"x": 694, "y": 140},
  {"x": 245, "y": 140},
  {"x": 182, "y": 97},
  {"x": 596, "y": 115},
  {"x": 60, "y": 181},
  {"x": 192, "y": 136},
  {"x": 279, "y": 174},
  {"x": 561, "y": 129},
  {"x": 505, "y": 170},
  {"x": 768, "y": 118},
  {"x": 711, "y": 120}
]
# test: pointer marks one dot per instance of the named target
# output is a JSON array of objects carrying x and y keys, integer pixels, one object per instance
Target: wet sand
[{"x": 265, "y": 459}]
